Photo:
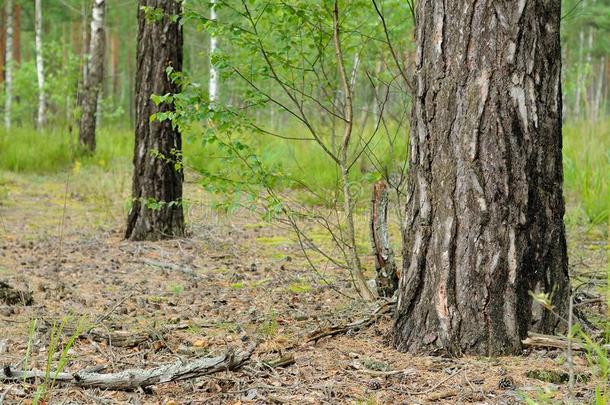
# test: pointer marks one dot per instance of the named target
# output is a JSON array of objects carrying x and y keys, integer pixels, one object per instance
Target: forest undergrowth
[{"x": 238, "y": 279}]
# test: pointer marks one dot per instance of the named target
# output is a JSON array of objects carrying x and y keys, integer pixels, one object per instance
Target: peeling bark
[
  {"x": 385, "y": 265},
  {"x": 157, "y": 180},
  {"x": 484, "y": 219}
]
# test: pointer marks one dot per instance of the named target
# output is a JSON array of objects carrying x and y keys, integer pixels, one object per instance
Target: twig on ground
[
  {"x": 133, "y": 379},
  {"x": 359, "y": 324}
]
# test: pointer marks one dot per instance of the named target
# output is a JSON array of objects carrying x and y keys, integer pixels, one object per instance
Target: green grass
[
  {"x": 586, "y": 161},
  {"x": 27, "y": 151}
]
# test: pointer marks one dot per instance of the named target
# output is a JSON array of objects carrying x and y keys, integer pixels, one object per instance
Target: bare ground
[{"x": 235, "y": 280}]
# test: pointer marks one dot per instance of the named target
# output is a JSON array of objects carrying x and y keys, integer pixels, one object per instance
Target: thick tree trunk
[
  {"x": 39, "y": 66},
  {"x": 94, "y": 78},
  {"x": 157, "y": 180},
  {"x": 484, "y": 221},
  {"x": 8, "y": 64}
]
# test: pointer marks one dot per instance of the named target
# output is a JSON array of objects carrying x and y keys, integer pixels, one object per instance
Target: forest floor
[{"x": 235, "y": 280}]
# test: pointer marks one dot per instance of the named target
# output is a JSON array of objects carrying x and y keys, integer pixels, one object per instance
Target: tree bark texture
[
  {"x": 484, "y": 220},
  {"x": 93, "y": 77},
  {"x": 157, "y": 177},
  {"x": 385, "y": 265}
]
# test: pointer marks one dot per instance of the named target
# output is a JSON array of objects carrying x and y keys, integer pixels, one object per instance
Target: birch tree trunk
[
  {"x": 2, "y": 42},
  {"x": 213, "y": 82},
  {"x": 157, "y": 179},
  {"x": 484, "y": 219},
  {"x": 8, "y": 64},
  {"x": 94, "y": 78},
  {"x": 39, "y": 66},
  {"x": 597, "y": 101}
]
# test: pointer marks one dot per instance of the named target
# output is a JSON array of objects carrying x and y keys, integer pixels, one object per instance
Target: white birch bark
[
  {"x": 597, "y": 100},
  {"x": 40, "y": 66},
  {"x": 213, "y": 83},
  {"x": 580, "y": 76},
  {"x": 8, "y": 67}
]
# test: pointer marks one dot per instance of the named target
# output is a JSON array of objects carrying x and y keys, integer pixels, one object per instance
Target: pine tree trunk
[
  {"x": 2, "y": 43},
  {"x": 93, "y": 81},
  {"x": 8, "y": 64},
  {"x": 39, "y": 65},
  {"x": 157, "y": 181},
  {"x": 484, "y": 221}
]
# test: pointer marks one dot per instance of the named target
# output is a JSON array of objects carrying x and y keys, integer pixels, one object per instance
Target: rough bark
[
  {"x": 385, "y": 265},
  {"x": 8, "y": 64},
  {"x": 94, "y": 77},
  {"x": 484, "y": 220},
  {"x": 39, "y": 66},
  {"x": 157, "y": 181}
]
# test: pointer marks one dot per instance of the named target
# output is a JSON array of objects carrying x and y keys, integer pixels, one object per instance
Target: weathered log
[
  {"x": 557, "y": 342},
  {"x": 131, "y": 379},
  {"x": 385, "y": 265}
]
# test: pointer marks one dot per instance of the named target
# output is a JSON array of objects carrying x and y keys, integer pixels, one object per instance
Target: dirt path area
[{"x": 233, "y": 282}]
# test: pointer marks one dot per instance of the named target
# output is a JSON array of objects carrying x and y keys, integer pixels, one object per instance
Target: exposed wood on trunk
[
  {"x": 484, "y": 219},
  {"x": 385, "y": 265},
  {"x": 132, "y": 379},
  {"x": 93, "y": 80},
  {"x": 156, "y": 212}
]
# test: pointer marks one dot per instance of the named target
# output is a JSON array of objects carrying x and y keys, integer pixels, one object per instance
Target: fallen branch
[
  {"x": 131, "y": 379},
  {"x": 171, "y": 266},
  {"x": 359, "y": 324},
  {"x": 557, "y": 342}
]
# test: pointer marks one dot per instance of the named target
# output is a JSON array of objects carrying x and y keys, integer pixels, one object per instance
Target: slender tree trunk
[
  {"x": 16, "y": 34},
  {"x": 597, "y": 101},
  {"x": 39, "y": 66},
  {"x": 8, "y": 64},
  {"x": 2, "y": 43},
  {"x": 157, "y": 180},
  {"x": 350, "y": 232},
  {"x": 93, "y": 81},
  {"x": 213, "y": 82},
  {"x": 484, "y": 220},
  {"x": 580, "y": 77}
]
